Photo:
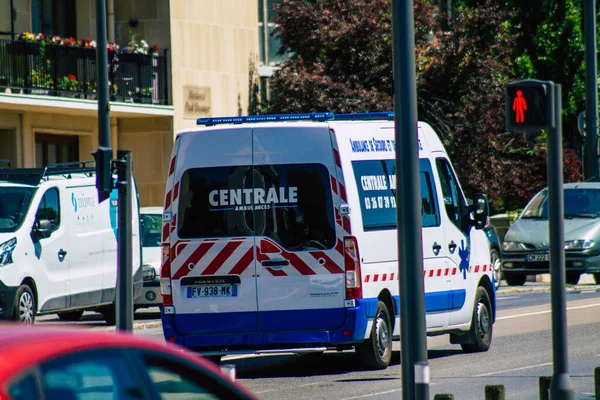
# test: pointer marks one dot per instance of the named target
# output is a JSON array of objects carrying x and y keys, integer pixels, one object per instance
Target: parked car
[
  {"x": 151, "y": 230},
  {"x": 526, "y": 244},
  {"x": 64, "y": 364},
  {"x": 495, "y": 253}
]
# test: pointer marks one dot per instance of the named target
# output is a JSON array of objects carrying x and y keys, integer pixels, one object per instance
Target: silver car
[
  {"x": 525, "y": 249},
  {"x": 151, "y": 229}
]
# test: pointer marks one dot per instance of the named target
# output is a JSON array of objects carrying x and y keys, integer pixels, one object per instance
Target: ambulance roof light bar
[{"x": 321, "y": 116}]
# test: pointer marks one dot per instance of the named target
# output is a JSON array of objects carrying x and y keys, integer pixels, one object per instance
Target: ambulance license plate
[
  {"x": 538, "y": 257},
  {"x": 212, "y": 291}
]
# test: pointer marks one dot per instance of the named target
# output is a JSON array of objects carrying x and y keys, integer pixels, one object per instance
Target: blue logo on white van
[
  {"x": 464, "y": 254},
  {"x": 82, "y": 202}
]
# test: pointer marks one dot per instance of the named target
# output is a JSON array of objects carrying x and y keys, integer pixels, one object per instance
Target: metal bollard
[
  {"x": 229, "y": 370},
  {"x": 544, "y": 384},
  {"x": 443, "y": 396},
  {"x": 422, "y": 380},
  {"x": 494, "y": 392}
]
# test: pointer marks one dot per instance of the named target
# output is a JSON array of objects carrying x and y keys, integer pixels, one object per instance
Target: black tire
[
  {"x": 110, "y": 314},
  {"x": 24, "y": 305},
  {"x": 70, "y": 315},
  {"x": 481, "y": 324},
  {"x": 573, "y": 278},
  {"x": 597, "y": 278},
  {"x": 376, "y": 351},
  {"x": 496, "y": 270},
  {"x": 515, "y": 279}
]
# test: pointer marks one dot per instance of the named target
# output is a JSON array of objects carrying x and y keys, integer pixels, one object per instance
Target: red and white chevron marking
[
  {"x": 167, "y": 226},
  {"x": 235, "y": 257},
  {"x": 339, "y": 190},
  {"x": 429, "y": 273}
]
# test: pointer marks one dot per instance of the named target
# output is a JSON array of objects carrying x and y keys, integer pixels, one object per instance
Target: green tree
[{"x": 341, "y": 62}]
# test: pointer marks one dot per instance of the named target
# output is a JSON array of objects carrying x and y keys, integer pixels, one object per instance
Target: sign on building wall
[{"x": 196, "y": 101}]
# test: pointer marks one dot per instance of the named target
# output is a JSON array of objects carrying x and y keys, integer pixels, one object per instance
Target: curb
[{"x": 575, "y": 289}]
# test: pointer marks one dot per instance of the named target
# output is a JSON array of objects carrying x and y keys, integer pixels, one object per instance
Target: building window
[
  {"x": 54, "y": 17},
  {"x": 51, "y": 149},
  {"x": 268, "y": 44}
]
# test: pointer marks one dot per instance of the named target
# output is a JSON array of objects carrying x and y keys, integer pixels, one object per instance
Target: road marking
[
  {"x": 546, "y": 312},
  {"x": 512, "y": 370},
  {"x": 506, "y": 297},
  {"x": 372, "y": 394},
  {"x": 312, "y": 384}
]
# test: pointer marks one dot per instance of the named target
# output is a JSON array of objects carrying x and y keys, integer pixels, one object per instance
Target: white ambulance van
[
  {"x": 280, "y": 233},
  {"x": 58, "y": 245}
]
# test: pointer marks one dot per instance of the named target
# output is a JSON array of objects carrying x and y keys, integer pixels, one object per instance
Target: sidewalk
[{"x": 542, "y": 284}]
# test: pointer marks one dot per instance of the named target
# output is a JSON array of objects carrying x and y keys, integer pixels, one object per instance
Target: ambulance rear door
[
  {"x": 300, "y": 267},
  {"x": 212, "y": 250}
]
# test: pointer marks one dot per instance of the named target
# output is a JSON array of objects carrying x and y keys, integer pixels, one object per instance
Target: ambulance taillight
[
  {"x": 165, "y": 276},
  {"x": 352, "y": 267}
]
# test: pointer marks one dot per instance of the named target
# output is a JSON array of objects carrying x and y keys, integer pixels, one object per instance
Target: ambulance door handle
[
  {"x": 436, "y": 248},
  {"x": 452, "y": 247},
  {"x": 275, "y": 264},
  {"x": 61, "y": 254}
]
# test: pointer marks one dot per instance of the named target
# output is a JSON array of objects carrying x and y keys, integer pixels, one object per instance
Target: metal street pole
[
  {"x": 102, "y": 75},
  {"x": 410, "y": 251},
  {"x": 591, "y": 92},
  {"x": 124, "y": 268},
  {"x": 560, "y": 386}
]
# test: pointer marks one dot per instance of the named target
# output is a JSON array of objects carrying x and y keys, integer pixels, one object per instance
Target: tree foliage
[{"x": 342, "y": 62}]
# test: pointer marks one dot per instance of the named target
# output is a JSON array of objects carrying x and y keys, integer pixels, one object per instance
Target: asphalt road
[{"x": 521, "y": 352}]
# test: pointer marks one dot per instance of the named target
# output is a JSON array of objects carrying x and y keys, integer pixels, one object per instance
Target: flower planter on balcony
[{"x": 31, "y": 68}]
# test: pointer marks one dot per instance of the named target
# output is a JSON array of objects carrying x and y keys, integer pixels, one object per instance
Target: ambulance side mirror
[{"x": 481, "y": 211}]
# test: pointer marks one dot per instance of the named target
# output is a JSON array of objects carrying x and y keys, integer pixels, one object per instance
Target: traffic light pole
[
  {"x": 102, "y": 75},
  {"x": 104, "y": 164},
  {"x": 415, "y": 370},
  {"x": 560, "y": 385},
  {"x": 591, "y": 91},
  {"x": 124, "y": 301}
]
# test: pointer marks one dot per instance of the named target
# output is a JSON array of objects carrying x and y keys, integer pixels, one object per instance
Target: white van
[
  {"x": 280, "y": 233},
  {"x": 58, "y": 246}
]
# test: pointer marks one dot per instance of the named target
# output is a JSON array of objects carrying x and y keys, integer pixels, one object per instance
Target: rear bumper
[
  {"x": 7, "y": 300},
  {"x": 353, "y": 330}
]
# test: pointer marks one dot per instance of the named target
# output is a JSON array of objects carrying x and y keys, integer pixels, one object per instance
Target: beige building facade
[{"x": 201, "y": 69}]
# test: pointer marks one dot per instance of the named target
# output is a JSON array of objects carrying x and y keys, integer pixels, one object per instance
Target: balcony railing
[{"x": 52, "y": 70}]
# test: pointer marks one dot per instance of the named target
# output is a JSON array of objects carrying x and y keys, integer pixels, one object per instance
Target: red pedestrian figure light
[{"x": 520, "y": 106}]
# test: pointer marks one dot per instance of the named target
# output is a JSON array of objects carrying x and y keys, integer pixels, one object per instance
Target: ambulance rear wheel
[
  {"x": 481, "y": 324},
  {"x": 376, "y": 351}
]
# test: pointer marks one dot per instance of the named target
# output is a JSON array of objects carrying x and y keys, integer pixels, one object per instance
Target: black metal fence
[{"x": 46, "y": 69}]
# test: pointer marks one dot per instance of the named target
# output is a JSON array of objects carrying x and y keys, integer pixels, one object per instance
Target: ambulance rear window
[
  {"x": 290, "y": 203},
  {"x": 376, "y": 183}
]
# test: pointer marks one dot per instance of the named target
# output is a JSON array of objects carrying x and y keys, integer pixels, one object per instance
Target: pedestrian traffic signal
[
  {"x": 104, "y": 180},
  {"x": 529, "y": 106}
]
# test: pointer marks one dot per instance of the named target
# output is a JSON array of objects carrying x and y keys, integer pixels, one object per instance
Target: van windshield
[
  {"x": 289, "y": 203},
  {"x": 14, "y": 203},
  {"x": 151, "y": 225},
  {"x": 578, "y": 203}
]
